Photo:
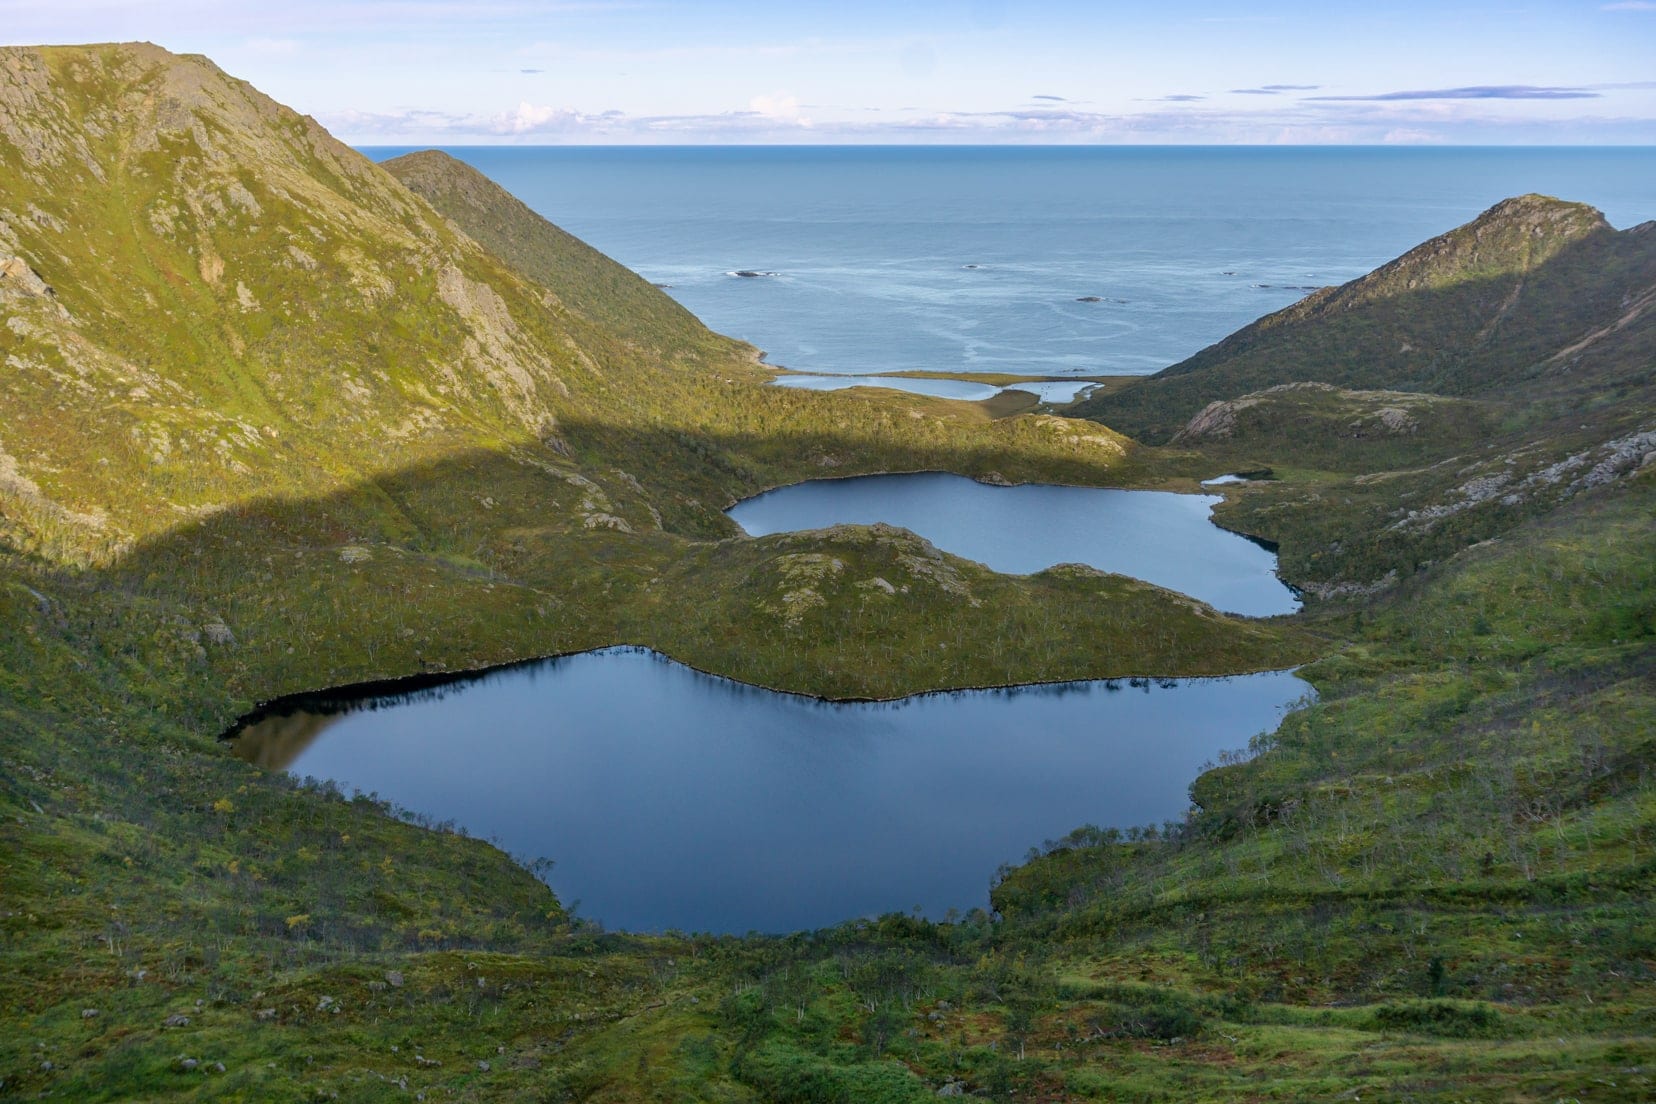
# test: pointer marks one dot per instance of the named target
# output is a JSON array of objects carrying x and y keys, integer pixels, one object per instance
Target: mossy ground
[{"x": 1432, "y": 884}]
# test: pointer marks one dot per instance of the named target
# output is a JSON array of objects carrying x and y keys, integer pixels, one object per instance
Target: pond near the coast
[
  {"x": 1163, "y": 538},
  {"x": 672, "y": 799}
]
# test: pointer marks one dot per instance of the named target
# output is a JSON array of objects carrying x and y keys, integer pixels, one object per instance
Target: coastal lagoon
[
  {"x": 1160, "y": 537},
  {"x": 671, "y": 799},
  {"x": 1057, "y": 392}
]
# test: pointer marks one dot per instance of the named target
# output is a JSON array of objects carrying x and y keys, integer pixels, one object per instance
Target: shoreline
[{"x": 286, "y": 705}]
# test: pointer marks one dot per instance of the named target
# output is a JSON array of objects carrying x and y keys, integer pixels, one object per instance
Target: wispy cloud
[
  {"x": 778, "y": 116},
  {"x": 1474, "y": 92},
  {"x": 1275, "y": 89},
  {"x": 1182, "y": 97},
  {"x": 1631, "y": 5},
  {"x": 1054, "y": 99}
]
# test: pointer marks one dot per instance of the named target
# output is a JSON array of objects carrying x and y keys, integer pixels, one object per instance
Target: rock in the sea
[
  {"x": 1090, "y": 299},
  {"x": 752, "y": 274}
]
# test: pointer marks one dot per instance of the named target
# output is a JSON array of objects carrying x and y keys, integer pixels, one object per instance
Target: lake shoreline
[{"x": 395, "y": 686}]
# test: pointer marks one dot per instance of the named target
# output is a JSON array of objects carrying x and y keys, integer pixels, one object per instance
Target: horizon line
[{"x": 1392, "y": 146}]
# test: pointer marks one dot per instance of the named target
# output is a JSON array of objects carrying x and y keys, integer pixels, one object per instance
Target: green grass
[{"x": 1433, "y": 883}]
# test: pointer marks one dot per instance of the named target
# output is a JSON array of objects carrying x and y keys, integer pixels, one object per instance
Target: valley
[{"x": 277, "y": 419}]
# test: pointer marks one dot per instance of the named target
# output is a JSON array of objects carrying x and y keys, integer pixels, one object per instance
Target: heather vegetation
[{"x": 275, "y": 419}]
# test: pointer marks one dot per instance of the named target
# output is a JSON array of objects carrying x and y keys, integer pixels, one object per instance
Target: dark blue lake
[
  {"x": 671, "y": 799},
  {"x": 1163, "y": 538}
]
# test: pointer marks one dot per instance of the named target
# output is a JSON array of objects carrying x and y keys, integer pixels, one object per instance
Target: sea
[{"x": 1042, "y": 261}]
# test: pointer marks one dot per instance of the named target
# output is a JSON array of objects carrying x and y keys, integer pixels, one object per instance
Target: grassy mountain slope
[
  {"x": 1536, "y": 299},
  {"x": 1516, "y": 355},
  {"x": 273, "y": 421},
  {"x": 612, "y": 300},
  {"x": 263, "y": 350}
]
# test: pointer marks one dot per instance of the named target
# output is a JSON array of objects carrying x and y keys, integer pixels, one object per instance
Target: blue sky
[{"x": 631, "y": 71}]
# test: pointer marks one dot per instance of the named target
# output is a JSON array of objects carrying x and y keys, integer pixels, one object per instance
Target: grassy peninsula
[{"x": 275, "y": 418}]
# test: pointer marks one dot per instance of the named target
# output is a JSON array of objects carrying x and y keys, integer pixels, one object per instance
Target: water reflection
[{"x": 674, "y": 799}]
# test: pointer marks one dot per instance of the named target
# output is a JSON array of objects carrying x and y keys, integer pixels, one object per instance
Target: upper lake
[
  {"x": 671, "y": 799},
  {"x": 1160, "y": 537}
]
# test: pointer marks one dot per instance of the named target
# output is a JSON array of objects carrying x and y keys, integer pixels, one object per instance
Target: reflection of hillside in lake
[
  {"x": 1157, "y": 536},
  {"x": 673, "y": 799},
  {"x": 274, "y": 742}
]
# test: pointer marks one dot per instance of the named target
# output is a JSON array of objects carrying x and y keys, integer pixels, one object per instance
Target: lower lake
[
  {"x": 670, "y": 799},
  {"x": 1160, "y": 537}
]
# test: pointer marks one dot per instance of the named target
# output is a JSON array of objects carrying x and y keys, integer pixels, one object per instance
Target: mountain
[
  {"x": 242, "y": 305},
  {"x": 276, "y": 418},
  {"x": 1535, "y": 300},
  {"x": 612, "y": 301},
  {"x": 231, "y": 338}
]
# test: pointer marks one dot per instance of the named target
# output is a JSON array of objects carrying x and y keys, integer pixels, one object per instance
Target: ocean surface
[{"x": 976, "y": 258}]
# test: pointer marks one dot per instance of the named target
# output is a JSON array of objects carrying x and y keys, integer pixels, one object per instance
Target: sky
[{"x": 393, "y": 72}]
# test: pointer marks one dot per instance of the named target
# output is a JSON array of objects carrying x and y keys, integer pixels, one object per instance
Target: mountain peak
[
  {"x": 1511, "y": 238},
  {"x": 1496, "y": 303}
]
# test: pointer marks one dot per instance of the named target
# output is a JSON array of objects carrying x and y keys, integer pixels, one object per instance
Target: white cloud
[
  {"x": 776, "y": 105},
  {"x": 530, "y": 118}
]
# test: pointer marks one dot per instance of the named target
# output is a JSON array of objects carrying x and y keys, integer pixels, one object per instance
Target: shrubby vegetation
[{"x": 424, "y": 443}]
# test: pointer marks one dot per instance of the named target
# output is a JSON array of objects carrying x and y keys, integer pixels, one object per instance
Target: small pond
[
  {"x": 671, "y": 799},
  {"x": 938, "y": 388},
  {"x": 1160, "y": 537}
]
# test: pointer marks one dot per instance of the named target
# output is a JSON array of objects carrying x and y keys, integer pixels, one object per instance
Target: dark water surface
[
  {"x": 673, "y": 799},
  {"x": 1157, "y": 536}
]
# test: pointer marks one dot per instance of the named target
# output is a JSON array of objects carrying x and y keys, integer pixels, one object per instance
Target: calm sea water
[
  {"x": 873, "y": 246},
  {"x": 672, "y": 799},
  {"x": 1163, "y": 538}
]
